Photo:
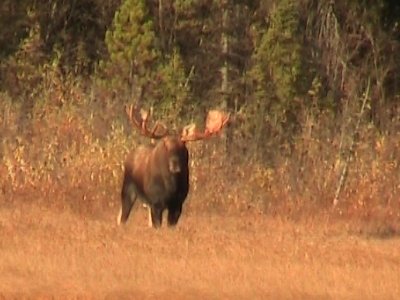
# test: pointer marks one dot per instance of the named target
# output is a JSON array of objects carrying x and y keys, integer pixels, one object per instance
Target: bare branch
[{"x": 343, "y": 175}]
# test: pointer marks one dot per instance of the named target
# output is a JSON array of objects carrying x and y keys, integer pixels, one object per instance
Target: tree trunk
[{"x": 225, "y": 80}]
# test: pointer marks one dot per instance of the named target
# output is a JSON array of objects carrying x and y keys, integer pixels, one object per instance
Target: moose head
[{"x": 159, "y": 173}]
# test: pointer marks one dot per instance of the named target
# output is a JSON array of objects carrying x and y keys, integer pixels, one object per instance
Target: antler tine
[
  {"x": 130, "y": 111},
  {"x": 139, "y": 119}
]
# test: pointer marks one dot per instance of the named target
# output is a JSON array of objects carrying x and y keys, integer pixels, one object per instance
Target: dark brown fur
[{"x": 159, "y": 175}]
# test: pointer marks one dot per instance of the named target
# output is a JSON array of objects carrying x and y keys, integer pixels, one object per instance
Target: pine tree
[
  {"x": 14, "y": 25},
  {"x": 276, "y": 76},
  {"x": 131, "y": 45},
  {"x": 173, "y": 89},
  {"x": 282, "y": 47},
  {"x": 278, "y": 72}
]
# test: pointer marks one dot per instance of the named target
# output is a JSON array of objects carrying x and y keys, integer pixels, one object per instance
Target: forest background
[{"x": 313, "y": 88}]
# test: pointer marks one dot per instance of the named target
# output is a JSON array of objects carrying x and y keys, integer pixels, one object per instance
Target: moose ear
[{"x": 216, "y": 119}]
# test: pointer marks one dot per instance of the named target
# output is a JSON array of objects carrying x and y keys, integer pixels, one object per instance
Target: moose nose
[{"x": 174, "y": 164}]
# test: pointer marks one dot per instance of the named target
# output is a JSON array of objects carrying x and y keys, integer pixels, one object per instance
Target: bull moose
[{"x": 159, "y": 174}]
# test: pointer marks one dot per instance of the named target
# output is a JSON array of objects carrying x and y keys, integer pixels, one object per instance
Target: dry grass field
[
  {"x": 297, "y": 198},
  {"x": 47, "y": 251}
]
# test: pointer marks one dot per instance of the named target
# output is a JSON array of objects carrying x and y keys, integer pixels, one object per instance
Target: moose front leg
[
  {"x": 147, "y": 207},
  {"x": 156, "y": 215},
  {"x": 174, "y": 212}
]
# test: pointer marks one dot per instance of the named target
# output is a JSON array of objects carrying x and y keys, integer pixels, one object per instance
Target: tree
[
  {"x": 14, "y": 25},
  {"x": 132, "y": 49},
  {"x": 277, "y": 77},
  {"x": 173, "y": 91},
  {"x": 282, "y": 47}
]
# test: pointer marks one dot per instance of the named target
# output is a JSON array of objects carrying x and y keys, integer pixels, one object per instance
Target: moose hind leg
[
  {"x": 128, "y": 198},
  {"x": 174, "y": 212}
]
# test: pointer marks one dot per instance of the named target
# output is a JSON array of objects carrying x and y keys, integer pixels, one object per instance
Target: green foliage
[
  {"x": 280, "y": 51},
  {"x": 13, "y": 25},
  {"x": 277, "y": 76},
  {"x": 131, "y": 44},
  {"x": 74, "y": 29},
  {"x": 23, "y": 74},
  {"x": 173, "y": 90},
  {"x": 135, "y": 60}
]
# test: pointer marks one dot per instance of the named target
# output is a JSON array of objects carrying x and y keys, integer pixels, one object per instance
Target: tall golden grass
[{"x": 70, "y": 136}]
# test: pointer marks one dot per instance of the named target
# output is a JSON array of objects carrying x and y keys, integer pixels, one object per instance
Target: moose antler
[
  {"x": 139, "y": 117},
  {"x": 216, "y": 120}
]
